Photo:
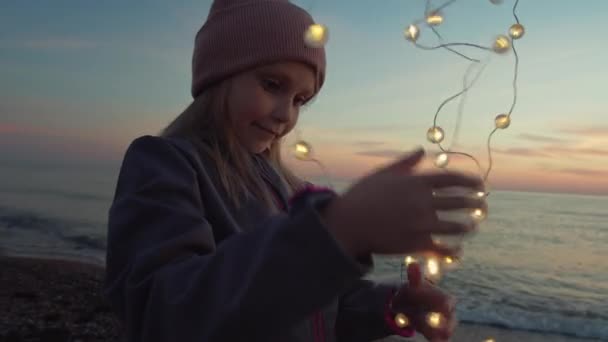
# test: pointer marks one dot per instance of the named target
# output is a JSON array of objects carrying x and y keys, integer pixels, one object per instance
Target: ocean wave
[
  {"x": 537, "y": 322},
  {"x": 580, "y": 213},
  {"x": 15, "y": 220},
  {"x": 59, "y": 193}
]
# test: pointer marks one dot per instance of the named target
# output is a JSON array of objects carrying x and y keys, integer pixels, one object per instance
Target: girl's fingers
[
  {"x": 452, "y": 179},
  {"x": 451, "y": 228},
  {"x": 414, "y": 275},
  {"x": 451, "y": 327},
  {"x": 427, "y": 246},
  {"x": 406, "y": 163},
  {"x": 429, "y": 298},
  {"x": 443, "y": 332},
  {"x": 457, "y": 202}
]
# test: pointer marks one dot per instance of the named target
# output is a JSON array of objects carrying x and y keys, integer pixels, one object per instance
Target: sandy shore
[{"x": 54, "y": 300}]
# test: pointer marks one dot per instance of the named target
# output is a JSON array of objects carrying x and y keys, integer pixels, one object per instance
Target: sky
[{"x": 79, "y": 80}]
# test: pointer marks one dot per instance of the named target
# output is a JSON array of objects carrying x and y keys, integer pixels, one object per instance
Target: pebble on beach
[{"x": 52, "y": 300}]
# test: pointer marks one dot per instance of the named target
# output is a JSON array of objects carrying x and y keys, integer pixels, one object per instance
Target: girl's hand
[
  {"x": 393, "y": 211},
  {"x": 418, "y": 299}
]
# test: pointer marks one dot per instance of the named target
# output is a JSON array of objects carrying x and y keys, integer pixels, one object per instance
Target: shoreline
[
  {"x": 60, "y": 300},
  {"x": 472, "y": 332}
]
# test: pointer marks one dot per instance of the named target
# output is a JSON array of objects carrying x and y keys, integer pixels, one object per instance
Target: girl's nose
[{"x": 284, "y": 112}]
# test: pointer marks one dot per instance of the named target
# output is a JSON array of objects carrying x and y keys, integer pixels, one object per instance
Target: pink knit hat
[{"x": 243, "y": 34}]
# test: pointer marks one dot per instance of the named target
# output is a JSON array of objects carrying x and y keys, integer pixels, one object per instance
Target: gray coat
[{"x": 183, "y": 264}]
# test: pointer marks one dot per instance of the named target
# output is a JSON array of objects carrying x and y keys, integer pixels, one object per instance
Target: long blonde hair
[{"x": 206, "y": 125}]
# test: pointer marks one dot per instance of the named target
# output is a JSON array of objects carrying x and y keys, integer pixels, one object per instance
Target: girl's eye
[
  {"x": 299, "y": 101},
  {"x": 271, "y": 85}
]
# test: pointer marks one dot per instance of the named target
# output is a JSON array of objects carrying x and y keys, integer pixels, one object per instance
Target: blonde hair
[{"x": 207, "y": 126}]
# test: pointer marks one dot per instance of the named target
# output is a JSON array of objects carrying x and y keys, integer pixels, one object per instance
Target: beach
[
  {"x": 60, "y": 300},
  {"x": 53, "y": 300}
]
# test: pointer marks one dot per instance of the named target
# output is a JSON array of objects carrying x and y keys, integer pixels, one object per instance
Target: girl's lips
[{"x": 265, "y": 129}]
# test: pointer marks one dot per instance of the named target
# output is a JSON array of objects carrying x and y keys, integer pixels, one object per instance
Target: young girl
[{"x": 212, "y": 238}]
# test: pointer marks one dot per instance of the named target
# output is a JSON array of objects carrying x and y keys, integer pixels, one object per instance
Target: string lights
[
  {"x": 303, "y": 151},
  {"x": 502, "y": 44},
  {"x": 317, "y": 36}
]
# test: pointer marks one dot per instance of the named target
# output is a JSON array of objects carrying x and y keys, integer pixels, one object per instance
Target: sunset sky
[{"x": 79, "y": 80}]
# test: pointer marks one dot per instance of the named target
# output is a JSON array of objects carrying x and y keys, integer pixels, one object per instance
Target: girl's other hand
[
  {"x": 419, "y": 298},
  {"x": 393, "y": 211}
]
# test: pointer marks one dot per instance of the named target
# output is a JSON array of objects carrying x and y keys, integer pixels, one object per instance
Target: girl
[{"x": 212, "y": 238}]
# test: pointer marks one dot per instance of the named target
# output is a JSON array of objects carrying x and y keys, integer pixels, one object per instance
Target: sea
[{"x": 538, "y": 263}]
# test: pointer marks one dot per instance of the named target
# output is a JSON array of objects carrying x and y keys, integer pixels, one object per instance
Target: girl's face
[{"x": 264, "y": 103}]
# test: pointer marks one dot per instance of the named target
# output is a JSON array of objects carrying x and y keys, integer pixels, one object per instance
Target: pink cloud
[
  {"x": 542, "y": 138},
  {"x": 33, "y": 142},
  {"x": 521, "y": 152},
  {"x": 368, "y": 143},
  {"x": 573, "y": 151},
  {"x": 8, "y": 128},
  {"x": 552, "y": 151},
  {"x": 382, "y": 153},
  {"x": 596, "y": 131},
  {"x": 585, "y": 172}
]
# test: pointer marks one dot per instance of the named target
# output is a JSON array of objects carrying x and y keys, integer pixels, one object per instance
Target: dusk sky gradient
[{"x": 79, "y": 80}]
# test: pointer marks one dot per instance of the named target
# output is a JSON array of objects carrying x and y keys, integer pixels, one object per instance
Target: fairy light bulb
[
  {"x": 449, "y": 262},
  {"x": 481, "y": 194},
  {"x": 434, "y": 18},
  {"x": 478, "y": 214},
  {"x": 502, "y": 121},
  {"x": 434, "y": 319},
  {"x": 409, "y": 260},
  {"x": 442, "y": 160},
  {"x": 489, "y": 340},
  {"x": 517, "y": 31},
  {"x": 303, "y": 150},
  {"x": 316, "y": 35},
  {"x": 412, "y": 33},
  {"x": 435, "y": 134},
  {"x": 432, "y": 268},
  {"x": 401, "y": 320},
  {"x": 501, "y": 44}
]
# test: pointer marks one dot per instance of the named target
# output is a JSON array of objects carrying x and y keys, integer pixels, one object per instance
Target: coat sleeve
[
  {"x": 168, "y": 280},
  {"x": 361, "y": 313}
]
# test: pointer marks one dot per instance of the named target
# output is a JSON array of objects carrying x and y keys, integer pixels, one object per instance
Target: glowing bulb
[
  {"x": 316, "y": 36},
  {"x": 442, "y": 160},
  {"x": 501, "y": 44},
  {"x": 502, "y": 121},
  {"x": 432, "y": 267},
  {"x": 412, "y": 33},
  {"x": 481, "y": 194},
  {"x": 435, "y": 134},
  {"x": 478, "y": 214},
  {"x": 516, "y": 31},
  {"x": 303, "y": 150},
  {"x": 434, "y": 18},
  {"x": 401, "y": 320},
  {"x": 489, "y": 340},
  {"x": 409, "y": 260},
  {"x": 434, "y": 319},
  {"x": 450, "y": 262}
]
